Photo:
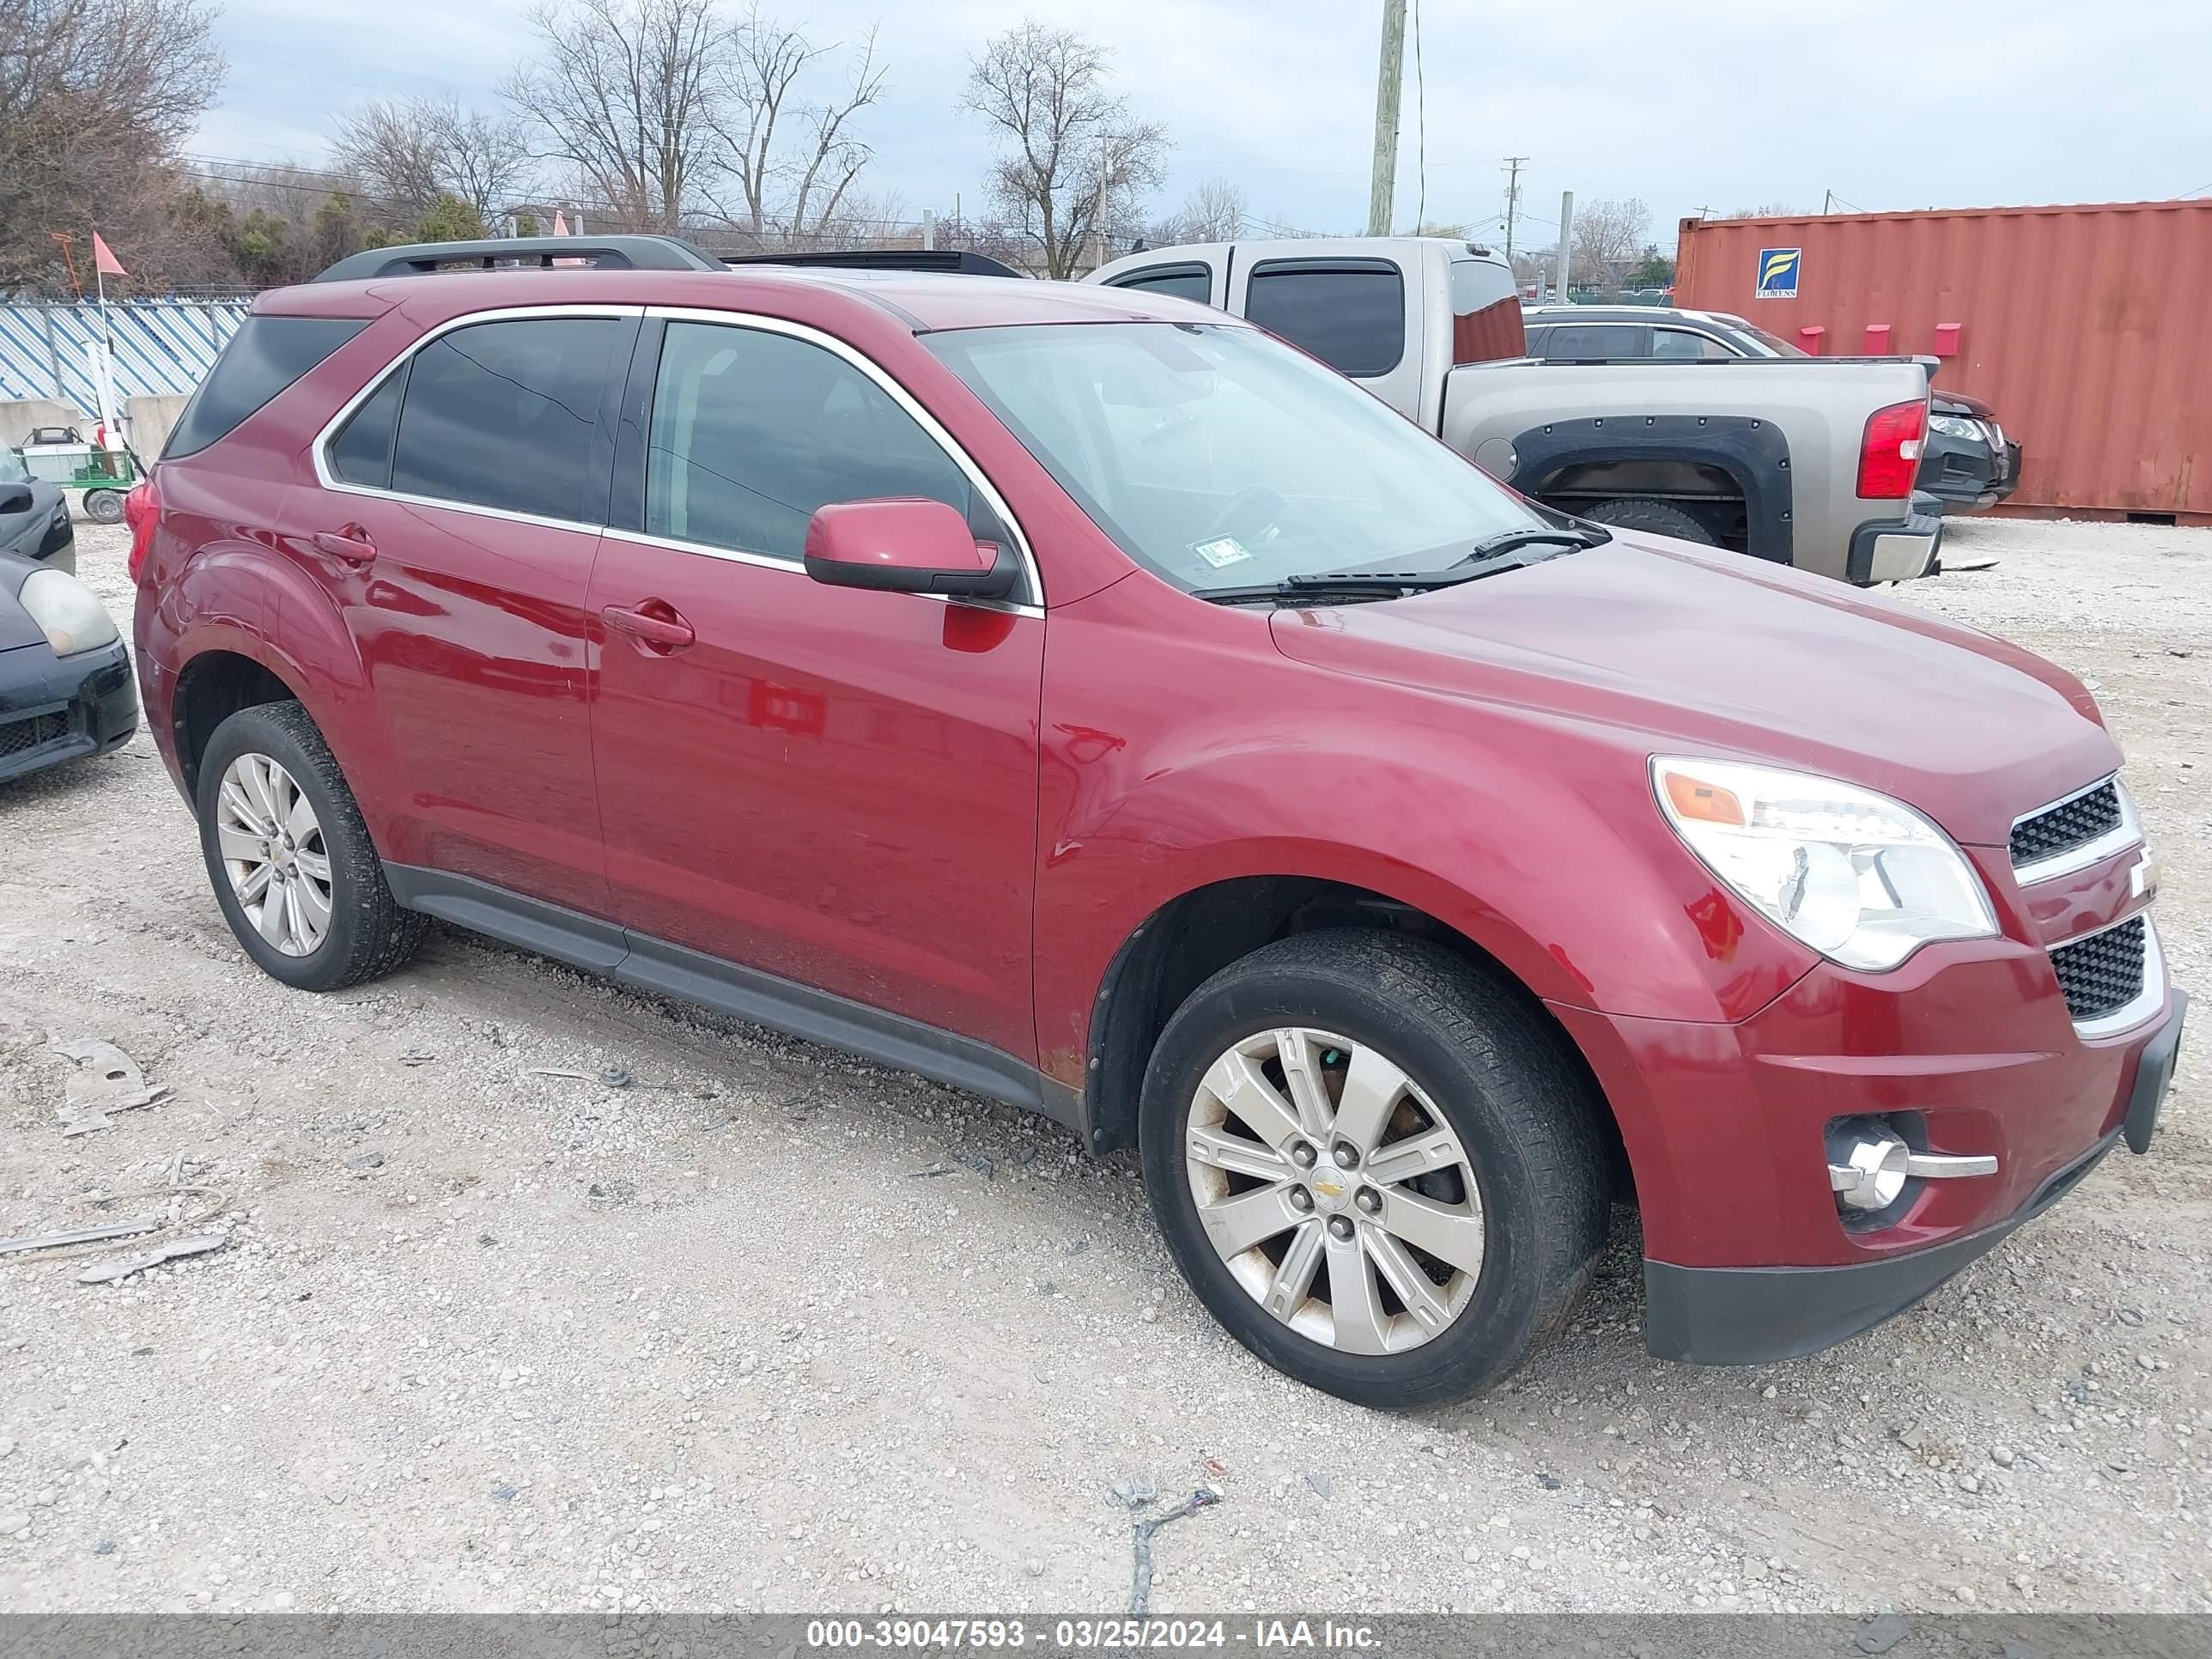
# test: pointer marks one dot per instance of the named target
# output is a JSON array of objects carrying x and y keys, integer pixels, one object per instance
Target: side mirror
[
  {"x": 14, "y": 498},
  {"x": 907, "y": 545}
]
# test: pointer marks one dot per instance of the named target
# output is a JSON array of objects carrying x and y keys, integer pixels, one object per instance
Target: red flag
[{"x": 103, "y": 258}]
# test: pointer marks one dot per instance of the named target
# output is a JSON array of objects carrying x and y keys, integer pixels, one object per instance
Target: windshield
[
  {"x": 1217, "y": 457},
  {"x": 12, "y": 470}
]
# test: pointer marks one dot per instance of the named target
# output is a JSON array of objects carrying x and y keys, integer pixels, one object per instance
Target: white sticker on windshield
[{"x": 1221, "y": 550}]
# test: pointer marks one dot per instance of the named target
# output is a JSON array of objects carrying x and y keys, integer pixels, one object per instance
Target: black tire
[
  {"x": 1654, "y": 518},
  {"x": 1523, "y": 1108},
  {"x": 369, "y": 935},
  {"x": 104, "y": 506}
]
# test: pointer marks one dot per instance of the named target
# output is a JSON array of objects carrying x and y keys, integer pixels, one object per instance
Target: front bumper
[
  {"x": 57, "y": 708},
  {"x": 1968, "y": 473},
  {"x": 1970, "y": 1043},
  {"x": 1755, "y": 1315}
]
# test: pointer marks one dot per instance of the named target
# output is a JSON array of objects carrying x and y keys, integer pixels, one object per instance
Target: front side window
[
  {"x": 1349, "y": 313},
  {"x": 753, "y": 430},
  {"x": 1217, "y": 457},
  {"x": 1182, "y": 282},
  {"x": 1679, "y": 342},
  {"x": 501, "y": 415},
  {"x": 1586, "y": 340}
]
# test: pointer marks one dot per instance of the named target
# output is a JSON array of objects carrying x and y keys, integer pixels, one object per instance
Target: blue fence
[{"x": 161, "y": 347}]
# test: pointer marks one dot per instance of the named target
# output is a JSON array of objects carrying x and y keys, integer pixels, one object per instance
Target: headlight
[
  {"x": 1862, "y": 879},
  {"x": 1955, "y": 426},
  {"x": 71, "y": 613}
]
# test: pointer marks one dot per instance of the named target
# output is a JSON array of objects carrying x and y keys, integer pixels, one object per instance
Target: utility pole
[
  {"x": 1512, "y": 202},
  {"x": 1567, "y": 241},
  {"x": 1383, "y": 186},
  {"x": 1827, "y": 197}
]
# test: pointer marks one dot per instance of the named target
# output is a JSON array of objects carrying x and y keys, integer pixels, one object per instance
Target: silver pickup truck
[{"x": 1808, "y": 461}]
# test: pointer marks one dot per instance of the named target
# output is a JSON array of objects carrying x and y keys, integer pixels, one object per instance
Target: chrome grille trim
[{"x": 2127, "y": 833}]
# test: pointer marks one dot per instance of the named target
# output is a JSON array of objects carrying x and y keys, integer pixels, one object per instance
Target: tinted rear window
[
  {"x": 265, "y": 355},
  {"x": 1352, "y": 316}
]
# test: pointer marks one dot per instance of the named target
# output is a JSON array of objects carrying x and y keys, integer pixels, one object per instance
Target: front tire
[
  {"x": 290, "y": 859},
  {"x": 1375, "y": 1163}
]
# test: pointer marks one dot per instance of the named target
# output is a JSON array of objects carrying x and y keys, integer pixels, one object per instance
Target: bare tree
[
  {"x": 1610, "y": 234},
  {"x": 624, "y": 91},
  {"x": 393, "y": 152},
  {"x": 793, "y": 158},
  {"x": 1072, "y": 158},
  {"x": 486, "y": 158},
  {"x": 96, "y": 99},
  {"x": 1215, "y": 212},
  {"x": 1771, "y": 210}
]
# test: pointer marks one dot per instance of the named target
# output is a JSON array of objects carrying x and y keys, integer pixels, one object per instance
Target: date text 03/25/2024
[{"x": 1110, "y": 1634}]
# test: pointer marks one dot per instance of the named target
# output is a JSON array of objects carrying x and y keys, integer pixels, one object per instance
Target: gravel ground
[{"x": 788, "y": 1332}]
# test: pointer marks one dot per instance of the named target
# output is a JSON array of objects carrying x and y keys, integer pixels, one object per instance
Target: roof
[
  {"x": 924, "y": 302},
  {"x": 1561, "y": 314}
]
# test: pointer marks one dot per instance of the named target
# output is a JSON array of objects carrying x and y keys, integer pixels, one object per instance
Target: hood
[
  {"x": 1944, "y": 402},
  {"x": 1655, "y": 645}
]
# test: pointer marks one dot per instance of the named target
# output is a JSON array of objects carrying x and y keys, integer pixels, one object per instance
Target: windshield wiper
[
  {"x": 1511, "y": 540},
  {"x": 1389, "y": 584}
]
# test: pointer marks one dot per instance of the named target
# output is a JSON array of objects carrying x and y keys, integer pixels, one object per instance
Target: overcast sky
[{"x": 1723, "y": 104}]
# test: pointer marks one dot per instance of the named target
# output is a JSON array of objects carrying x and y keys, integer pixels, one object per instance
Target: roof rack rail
[
  {"x": 608, "y": 252},
  {"x": 962, "y": 261}
]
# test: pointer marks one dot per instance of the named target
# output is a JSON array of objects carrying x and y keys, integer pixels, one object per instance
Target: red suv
[{"x": 1077, "y": 696}]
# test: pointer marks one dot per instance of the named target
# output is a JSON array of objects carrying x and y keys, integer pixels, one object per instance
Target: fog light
[{"x": 1868, "y": 1163}]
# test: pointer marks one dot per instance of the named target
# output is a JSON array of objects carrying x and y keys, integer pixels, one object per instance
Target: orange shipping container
[{"x": 2088, "y": 330}]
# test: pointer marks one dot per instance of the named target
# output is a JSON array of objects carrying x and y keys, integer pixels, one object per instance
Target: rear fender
[
  {"x": 250, "y": 595},
  {"x": 1753, "y": 453}
]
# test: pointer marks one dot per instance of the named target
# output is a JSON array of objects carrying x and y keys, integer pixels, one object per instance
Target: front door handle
[
  {"x": 655, "y": 624},
  {"x": 351, "y": 544}
]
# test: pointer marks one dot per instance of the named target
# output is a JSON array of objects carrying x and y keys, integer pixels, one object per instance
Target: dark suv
[{"x": 1078, "y": 697}]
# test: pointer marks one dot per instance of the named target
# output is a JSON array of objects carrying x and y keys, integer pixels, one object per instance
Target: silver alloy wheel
[
  {"x": 1336, "y": 1193},
  {"x": 271, "y": 847}
]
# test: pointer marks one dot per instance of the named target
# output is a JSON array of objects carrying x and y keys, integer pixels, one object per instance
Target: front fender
[{"x": 1586, "y": 904}]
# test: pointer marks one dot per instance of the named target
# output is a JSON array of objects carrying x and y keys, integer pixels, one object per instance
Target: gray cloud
[{"x": 1714, "y": 103}]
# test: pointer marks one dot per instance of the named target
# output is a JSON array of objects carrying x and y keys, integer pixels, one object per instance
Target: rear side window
[
  {"x": 501, "y": 415},
  {"x": 265, "y": 355},
  {"x": 1349, "y": 313},
  {"x": 362, "y": 453},
  {"x": 1182, "y": 282},
  {"x": 1486, "y": 325}
]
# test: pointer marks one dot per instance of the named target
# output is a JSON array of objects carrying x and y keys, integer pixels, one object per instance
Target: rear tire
[
  {"x": 1487, "y": 1084},
  {"x": 1654, "y": 518},
  {"x": 104, "y": 506},
  {"x": 340, "y": 925}
]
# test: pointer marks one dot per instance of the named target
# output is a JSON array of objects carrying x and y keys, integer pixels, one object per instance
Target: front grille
[
  {"x": 2103, "y": 973},
  {"x": 2069, "y": 825},
  {"x": 18, "y": 736}
]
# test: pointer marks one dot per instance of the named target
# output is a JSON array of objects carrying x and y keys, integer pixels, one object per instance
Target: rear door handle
[
  {"x": 655, "y": 624},
  {"x": 350, "y": 544}
]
